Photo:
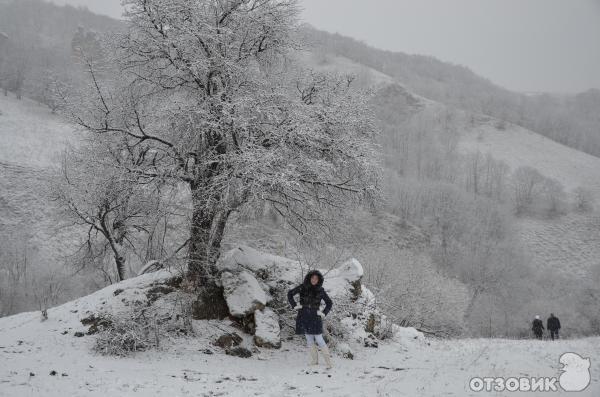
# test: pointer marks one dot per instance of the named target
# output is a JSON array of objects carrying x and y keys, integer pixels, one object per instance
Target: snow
[
  {"x": 257, "y": 262},
  {"x": 193, "y": 365},
  {"x": 277, "y": 268},
  {"x": 339, "y": 64},
  {"x": 407, "y": 334},
  {"x": 31, "y": 135},
  {"x": 243, "y": 293},
  {"x": 267, "y": 332},
  {"x": 149, "y": 267},
  {"x": 518, "y": 147},
  {"x": 338, "y": 280},
  {"x": 567, "y": 244},
  {"x": 405, "y": 365},
  {"x": 182, "y": 368},
  {"x": 355, "y": 304}
]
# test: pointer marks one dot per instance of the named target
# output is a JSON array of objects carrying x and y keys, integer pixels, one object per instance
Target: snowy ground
[
  {"x": 31, "y": 135},
  {"x": 31, "y": 349},
  {"x": 569, "y": 246}
]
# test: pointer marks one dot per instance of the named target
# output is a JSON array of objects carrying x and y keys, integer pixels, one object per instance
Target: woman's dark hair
[{"x": 309, "y": 276}]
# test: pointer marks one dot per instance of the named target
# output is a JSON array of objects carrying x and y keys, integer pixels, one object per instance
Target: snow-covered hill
[
  {"x": 55, "y": 358},
  {"x": 567, "y": 244},
  {"x": 31, "y": 135},
  {"x": 518, "y": 147},
  {"x": 32, "y": 141}
]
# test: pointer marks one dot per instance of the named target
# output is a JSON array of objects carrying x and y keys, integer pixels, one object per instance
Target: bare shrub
[
  {"x": 47, "y": 290},
  {"x": 527, "y": 185},
  {"x": 584, "y": 200},
  {"x": 555, "y": 198},
  {"x": 119, "y": 337}
]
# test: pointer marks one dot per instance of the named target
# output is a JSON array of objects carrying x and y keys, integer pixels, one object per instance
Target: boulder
[
  {"x": 267, "y": 333},
  {"x": 227, "y": 341},
  {"x": 345, "y": 350},
  {"x": 239, "y": 352},
  {"x": 266, "y": 267},
  {"x": 253, "y": 280},
  {"x": 345, "y": 278},
  {"x": 243, "y": 293},
  {"x": 407, "y": 334}
]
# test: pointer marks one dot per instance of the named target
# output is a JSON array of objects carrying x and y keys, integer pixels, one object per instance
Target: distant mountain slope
[
  {"x": 569, "y": 245},
  {"x": 572, "y": 120},
  {"x": 31, "y": 135},
  {"x": 518, "y": 147},
  {"x": 511, "y": 143},
  {"x": 32, "y": 141}
]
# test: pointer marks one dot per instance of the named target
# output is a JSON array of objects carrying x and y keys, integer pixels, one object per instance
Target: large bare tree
[{"x": 207, "y": 93}]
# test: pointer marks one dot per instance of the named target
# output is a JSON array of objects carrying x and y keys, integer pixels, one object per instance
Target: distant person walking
[
  {"x": 553, "y": 325},
  {"x": 538, "y": 327}
]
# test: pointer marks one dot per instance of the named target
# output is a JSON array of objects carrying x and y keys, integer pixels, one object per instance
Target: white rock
[
  {"x": 243, "y": 293},
  {"x": 259, "y": 263},
  {"x": 345, "y": 350},
  {"x": 267, "y": 333},
  {"x": 407, "y": 334},
  {"x": 351, "y": 271},
  {"x": 339, "y": 281}
]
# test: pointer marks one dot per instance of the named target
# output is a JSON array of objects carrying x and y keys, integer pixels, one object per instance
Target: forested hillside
[{"x": 569, "y": 119}]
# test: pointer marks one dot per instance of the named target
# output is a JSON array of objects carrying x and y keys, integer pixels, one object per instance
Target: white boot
[
  {"x": 326, "y": 356},
  {"x": 314, "y": 355}
]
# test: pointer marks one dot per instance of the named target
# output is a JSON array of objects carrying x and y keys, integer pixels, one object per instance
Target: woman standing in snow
[{"x": 309, "y": 321}]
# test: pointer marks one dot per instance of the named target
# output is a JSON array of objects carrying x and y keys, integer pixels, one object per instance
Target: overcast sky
[{"x": 523, "y": 45}]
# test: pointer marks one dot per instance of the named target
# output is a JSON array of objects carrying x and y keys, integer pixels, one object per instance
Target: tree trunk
[
  {"x": 202, "y": 257},
  {"x": 120, "y": 262}
]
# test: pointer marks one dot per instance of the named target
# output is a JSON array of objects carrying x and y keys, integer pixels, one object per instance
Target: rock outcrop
[
  {"x": 256, "y": 286},
  {"x": 243, "y": 293}
]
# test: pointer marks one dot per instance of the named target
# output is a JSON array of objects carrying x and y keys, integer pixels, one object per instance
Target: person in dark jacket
[
  {"x": 309, "y": 321},
  {"x": 553, "y": 325},
  {"x": 538, "y": 327}
]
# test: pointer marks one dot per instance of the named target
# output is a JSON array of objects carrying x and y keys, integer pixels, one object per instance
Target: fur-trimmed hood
[{"x": 310, "y": 274}]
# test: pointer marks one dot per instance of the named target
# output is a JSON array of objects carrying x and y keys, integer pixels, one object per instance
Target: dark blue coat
[{"x": 308, "y": 321}]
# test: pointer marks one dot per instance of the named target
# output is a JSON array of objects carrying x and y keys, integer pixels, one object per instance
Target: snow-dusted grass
[
  {"x": 518, "y": 147},
  {"x": 30, "y": 133},
  {"x": 568, "y": 245},
  {"x": 32, "y": 141}
]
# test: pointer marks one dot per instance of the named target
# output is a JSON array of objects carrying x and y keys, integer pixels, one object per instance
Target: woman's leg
[
  {"x": 320, "y": 341},
  {"x": 324, "y": 349},
  {"x": 314, "y": 354}
]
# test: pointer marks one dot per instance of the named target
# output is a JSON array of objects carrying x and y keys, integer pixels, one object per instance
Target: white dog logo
[{"x": 575, "y": 372}]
